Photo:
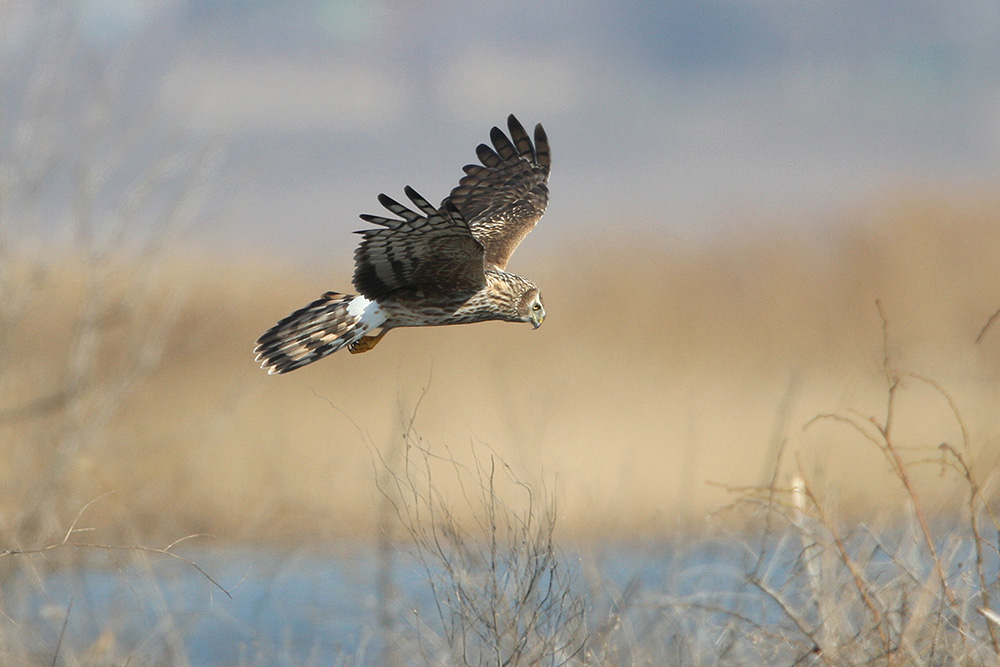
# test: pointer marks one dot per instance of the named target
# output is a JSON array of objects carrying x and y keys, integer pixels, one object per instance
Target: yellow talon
[{"x": 366, "y": 343}]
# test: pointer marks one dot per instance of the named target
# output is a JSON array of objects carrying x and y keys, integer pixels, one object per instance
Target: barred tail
[{"x": 321, "y": 328}]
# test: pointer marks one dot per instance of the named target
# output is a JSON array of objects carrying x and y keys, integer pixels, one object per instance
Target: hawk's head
[
  {"x": 514, "y": 299},
  {"x": 531, "y": 308}
]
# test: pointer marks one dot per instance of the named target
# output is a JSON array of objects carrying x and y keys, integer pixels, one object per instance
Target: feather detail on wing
[
  {"x": 505, "y": 196},
  {"x": 432, "y": 248}
]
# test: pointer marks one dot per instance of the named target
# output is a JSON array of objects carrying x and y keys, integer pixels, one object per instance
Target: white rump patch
[{"x": 368, "y": 312}]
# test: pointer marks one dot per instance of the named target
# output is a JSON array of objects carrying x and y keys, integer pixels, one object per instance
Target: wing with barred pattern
[
  {"x": 505, "y": 196},
  {"x": 431, "y": 249}
]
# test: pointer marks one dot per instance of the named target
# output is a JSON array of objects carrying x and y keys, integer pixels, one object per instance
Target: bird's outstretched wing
[
  {"x": 433, "y": 249},
  {"x": 505, "y": 196}
]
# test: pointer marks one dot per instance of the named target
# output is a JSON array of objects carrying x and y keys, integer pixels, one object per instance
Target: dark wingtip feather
[
  {"x": 503, "y": 145},
  {"x": 520, "y": 138},
  {"x": 419, "y": 201},
  {"x": 542, "y": 152},
  {"x": 488, "y": 156},
  {"x": 496, "y": 134}
]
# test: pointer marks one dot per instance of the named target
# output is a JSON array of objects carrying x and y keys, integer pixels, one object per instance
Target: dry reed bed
[{"x": 661, "y": 379}]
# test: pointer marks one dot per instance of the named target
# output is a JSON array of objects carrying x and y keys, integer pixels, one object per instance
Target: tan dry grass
[{"x": 660, "y": 378}]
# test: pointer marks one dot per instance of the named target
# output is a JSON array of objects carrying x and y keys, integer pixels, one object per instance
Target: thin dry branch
[
  {"x": 787, "y": 608},
  {"x": 900, "y": 468},
  {"x": 118, "y": 548},
  {"x": 62, "y": 634},
  {"x": 499, "y": 590},
  {"x": 989, "y": 323},
  {"x": 65, "y": 543},
  {"x": 860, "y": 583}
]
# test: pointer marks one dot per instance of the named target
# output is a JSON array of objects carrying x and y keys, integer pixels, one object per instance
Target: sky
[{"x": 687, "y": 119}]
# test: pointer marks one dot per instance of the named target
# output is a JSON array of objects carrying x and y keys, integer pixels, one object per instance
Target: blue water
[
  {"x": 313, "y": 606},
  {"x": 277, "y": 607},
  {"x": 338, "y": 604}
]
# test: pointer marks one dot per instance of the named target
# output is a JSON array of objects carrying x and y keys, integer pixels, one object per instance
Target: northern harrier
[{"x": 433, "y": 265}]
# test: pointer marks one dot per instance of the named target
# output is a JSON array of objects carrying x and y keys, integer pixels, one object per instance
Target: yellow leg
[{"x": 366, "y": 343}]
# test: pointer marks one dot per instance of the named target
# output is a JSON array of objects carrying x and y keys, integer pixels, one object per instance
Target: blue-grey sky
[{"x": 678, "y": 119}]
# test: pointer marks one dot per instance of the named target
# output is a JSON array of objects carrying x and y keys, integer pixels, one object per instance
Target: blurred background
[{"x": 734, "y": 185}]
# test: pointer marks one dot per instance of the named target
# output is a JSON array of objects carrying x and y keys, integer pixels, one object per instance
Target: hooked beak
[{"x": 537, "y": 318}]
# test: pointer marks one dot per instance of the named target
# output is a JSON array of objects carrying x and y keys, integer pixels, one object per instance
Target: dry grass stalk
[
  {"x": 501, "y": 591},
  {"x": 911, "y": 605}
]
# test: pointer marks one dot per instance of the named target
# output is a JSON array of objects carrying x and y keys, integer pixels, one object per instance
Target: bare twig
[
  {"x": 114, "y": 548},
  {"x": 860, "y": 584},
  {"x": 76, "y": 519},
  {"x": 62, "y": 634},
  {"x": 986, "y": 326},
  {"x": 899, "y": 466},
  {"x": 500, "y": 592},
  {"x": 787, "y": 608}
]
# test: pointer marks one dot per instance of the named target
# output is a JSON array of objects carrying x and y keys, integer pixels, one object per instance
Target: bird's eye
[{"x": 537, "y": 306}]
